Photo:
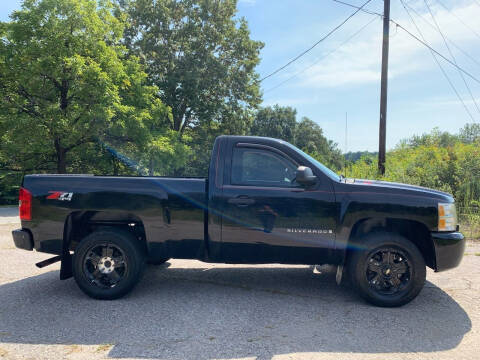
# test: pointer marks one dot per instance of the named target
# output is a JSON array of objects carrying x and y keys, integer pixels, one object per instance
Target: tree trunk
[
  {"x": 64, "y": 96},
  {"x": 178, "y": 116},
  {"x": 61, "y": 151},
  {"x": 177, "y": 122},
  {"x": 150, "y": 167},
  {"x": 185, "y": 123},
  {"x": 115, "y": 166},
  {"x": 61, "y": 163},
  {"x": 61, "y": 157}
]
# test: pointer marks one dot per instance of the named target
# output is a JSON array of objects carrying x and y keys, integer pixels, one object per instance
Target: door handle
[{"x": 241, "y": 201}]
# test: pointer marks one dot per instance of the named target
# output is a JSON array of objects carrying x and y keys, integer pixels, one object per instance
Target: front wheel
[
  {"x": 107, "y": 264},
  {"x": 386, "y": 269}
]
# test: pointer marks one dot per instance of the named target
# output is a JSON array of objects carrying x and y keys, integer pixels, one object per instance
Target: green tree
[
  {"x": 66, "y": 81},
  {"x": 277, "y": 122},
  {"x": 435, "y": 137},
  {"x": 280, "y": 122},
  {"x": 470, "y": 133},
  {"x": 452, "y": 166},
  {"x": 200, "y": 56},
  {"x": 357, "y": 155},
  {"x": 309, "y": 137}
]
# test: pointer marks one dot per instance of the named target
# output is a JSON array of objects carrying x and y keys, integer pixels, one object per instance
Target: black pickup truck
[{"x": 264, "y": 201}]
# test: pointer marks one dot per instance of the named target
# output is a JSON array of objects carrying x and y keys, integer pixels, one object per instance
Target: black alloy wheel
[
  {"x": 105, "y": 265},
  {"x": 388, "y": 271},
  {"x": 108, "y": 263},
  {"x": 386, "y": 268}
]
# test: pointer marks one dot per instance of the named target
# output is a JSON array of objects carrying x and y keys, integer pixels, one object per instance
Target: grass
[{"x": 471, "y": 231}]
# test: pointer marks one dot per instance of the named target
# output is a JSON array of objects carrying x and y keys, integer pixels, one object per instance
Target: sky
[{"x": 341, "y": 76}]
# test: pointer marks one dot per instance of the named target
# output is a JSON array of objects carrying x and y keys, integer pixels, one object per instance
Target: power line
[
  {"x": 357, "y": 7},
  {"x": 451, "y": 41},
  {"x": 451, "y": 54},
  {"x": 318, "y": 42},
  {"x": 423, "y": 42},
  {"x": 322, "y": 57},
  {"x": 458, "y": 18},
  {"x": 435, "y": 59}
]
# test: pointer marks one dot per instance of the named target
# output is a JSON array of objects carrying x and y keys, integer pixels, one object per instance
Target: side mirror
[{"x": 305, "y": 176}]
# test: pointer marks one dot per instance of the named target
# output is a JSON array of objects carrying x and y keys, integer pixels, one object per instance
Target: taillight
[{"x": 25, "y": 204}]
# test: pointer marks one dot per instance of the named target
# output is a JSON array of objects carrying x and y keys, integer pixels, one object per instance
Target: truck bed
[{"x": 170, "y": 210}]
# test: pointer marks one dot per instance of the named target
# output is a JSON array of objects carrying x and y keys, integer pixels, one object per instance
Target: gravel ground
[{"x": 192, "y": 310}]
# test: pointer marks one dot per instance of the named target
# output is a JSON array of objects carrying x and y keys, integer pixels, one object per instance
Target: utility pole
[
  {"x": 383, "y": 88},
  {"x": 345, "y": 156}
]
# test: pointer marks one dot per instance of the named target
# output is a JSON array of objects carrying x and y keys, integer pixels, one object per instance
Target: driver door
[{"x": 269, "y": 217}]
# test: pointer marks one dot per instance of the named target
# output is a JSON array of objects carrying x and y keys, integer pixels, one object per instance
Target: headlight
[{"x": 447, "y": 217}]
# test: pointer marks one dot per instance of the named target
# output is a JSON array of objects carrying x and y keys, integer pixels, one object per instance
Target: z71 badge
[{"x": 60, "y": 195}]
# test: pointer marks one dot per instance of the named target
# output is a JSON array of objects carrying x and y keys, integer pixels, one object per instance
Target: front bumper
[
  {"x": 449, "y": 249},
  {"x": 23, "y": 239}
]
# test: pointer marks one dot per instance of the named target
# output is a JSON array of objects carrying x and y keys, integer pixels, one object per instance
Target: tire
[
  {"x": 160, "y": 261},
  {"x": 386, "y": 269},
  {"x": 108, "y": 263}
]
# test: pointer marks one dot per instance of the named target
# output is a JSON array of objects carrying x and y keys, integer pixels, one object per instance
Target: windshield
[{"x": 330, "y": 173}]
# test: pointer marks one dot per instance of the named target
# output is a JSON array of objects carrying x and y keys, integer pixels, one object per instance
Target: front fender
[{"x": 380, "y": 208}]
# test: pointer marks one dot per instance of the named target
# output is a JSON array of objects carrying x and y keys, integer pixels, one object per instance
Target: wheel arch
[
  {"x": 414, "y": 231},
  {"x": 79, "y": 224}
]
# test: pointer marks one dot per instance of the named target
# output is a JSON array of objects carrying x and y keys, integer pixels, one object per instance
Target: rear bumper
[
  {"x": 449, "y": 249},
  {"x": 23, "y": 239}
]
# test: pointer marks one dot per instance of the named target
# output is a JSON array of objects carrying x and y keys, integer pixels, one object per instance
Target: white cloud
[{"x": 358, "y": 62}]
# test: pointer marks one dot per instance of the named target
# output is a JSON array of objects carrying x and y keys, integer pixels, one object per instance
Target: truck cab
[{"x": 273, "y": 204}]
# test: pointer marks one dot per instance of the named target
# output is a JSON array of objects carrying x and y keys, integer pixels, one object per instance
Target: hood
[{"x": 418, "y": 190}]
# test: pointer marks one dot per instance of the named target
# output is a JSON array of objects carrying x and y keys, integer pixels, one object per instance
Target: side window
[{"x": 258, "y": 167}]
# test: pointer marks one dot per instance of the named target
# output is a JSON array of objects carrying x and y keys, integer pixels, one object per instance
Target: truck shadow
[{"x": 229, "y": 312}]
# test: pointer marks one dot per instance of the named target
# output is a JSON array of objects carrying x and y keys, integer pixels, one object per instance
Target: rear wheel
[
  {"x": 386, "y": 269},
  {"x": 107, "y": 264}
]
